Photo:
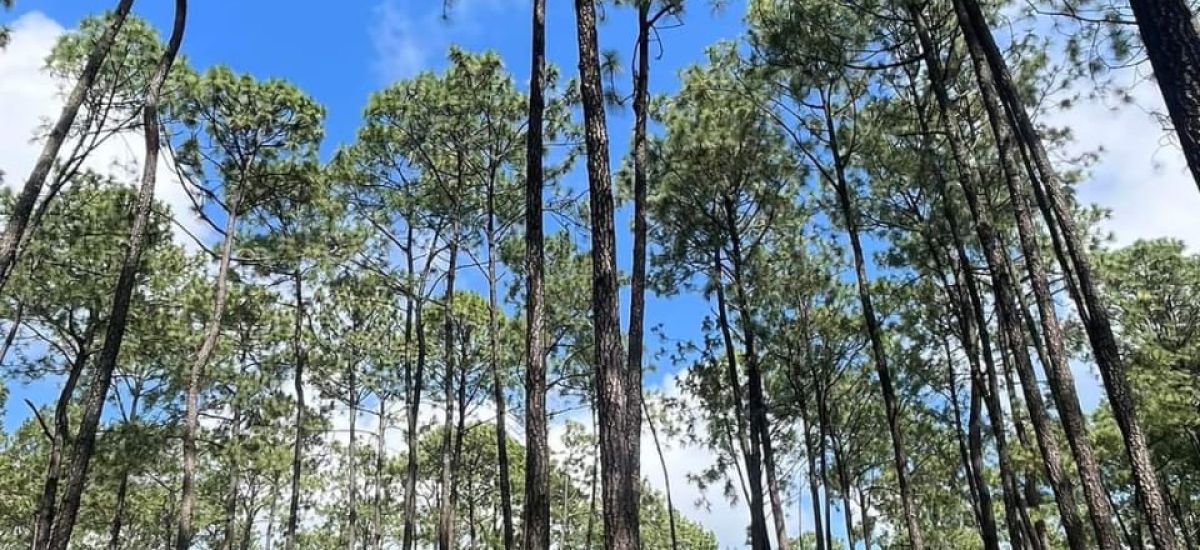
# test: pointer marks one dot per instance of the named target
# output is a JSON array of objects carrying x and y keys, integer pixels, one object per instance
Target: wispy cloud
[{"x": 410, "y": 36}]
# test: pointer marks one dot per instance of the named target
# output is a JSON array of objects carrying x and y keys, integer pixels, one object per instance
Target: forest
[{"x": 905, "y": 327}]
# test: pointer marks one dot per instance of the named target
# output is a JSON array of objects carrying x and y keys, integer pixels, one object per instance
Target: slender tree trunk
[
  {"x": 1004, "y": 290},
  {"x": 212, "y": 335},
  {"x": 619, "y": 387},
  {"x": 503, "y": 470},
  {"x": 1097, "y": 323},
  {"x": 844, "y": 478},
  {"x": 300, "y": 357},
  {"x": 637, "y": 297},
  {"x": 536, "y": 512},
  {"x": 750, "y": 446},
  {"x": 414, "y": 382},
  {"x": 891, "y": 407},
  {"x": 234, "y": 475},
  {"x": 118, "y": 521},
  {"x": 759, "y": 426},
  {"x": 46, "y": 512},
  {"x": 85, "y": 442},
  {"x": 446, "y": 507},
  {"x": 666, "y": 475},
  {"x": 352, "y": 459},
  {"x": 814, "y": 489},
  {"x": 380, "y": 457},
  {"x": 14, "y": 328},
  {"x": 1169, "y": 34},
  {"x": 1058, "y": 373},
  {"x": 18, "y": 218}
]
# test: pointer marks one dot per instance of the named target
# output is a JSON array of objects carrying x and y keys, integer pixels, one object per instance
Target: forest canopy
[{"x": 835, "y": 282}]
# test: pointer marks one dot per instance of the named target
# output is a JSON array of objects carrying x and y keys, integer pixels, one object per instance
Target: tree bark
[
  {"x": 536, "y": 513},
  {"x": 1169, "y": 34},
  {"x": 18, "y": 218},
  {"x": 231, "y": 497},
  {"x": 43, "y": 524},
  {"x": 891, "y": 407},
  {"x": 413, "y": 380},
  {"x": 619, "y": 387},
  {"x": 1003, "y": 287},
  {"x": 352, "y": 459},
  {"x": 446, "y": 507},
  {"x": 750, "y": 446},
  {"x": 498, "y": 398},
  {"x": 191, "y": 430},
  {"x": 1097, "y": 323},
  {"x": 300, "y": 357},
  {"x": 85, "y": 442}
]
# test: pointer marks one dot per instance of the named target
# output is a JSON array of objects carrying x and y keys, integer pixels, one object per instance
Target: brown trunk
[
  {"x": 757, "y": 405},
  {"x": 231, "y": 497},
  {"x": 750, "y": 446},
  {"x": 414, "y": 379},
  {"x": 59, "y": 441},
  {"x": 14, "y": 327},
  {"x": 299, "y": 356},
  {"x": 352, "y": 459},
  {"x": 536, "y": 514},
  {"x": 118, "y": 521},
  {"x": 212, "y": 335},
  {"x": 1097, "y": 323},
  {"x": 498, "y": 398},
  {"x": 637, "y": 297},
  {"x": 1168, "y": 31},
  {"x": 1003, "y": 287},
  {"x": 891, "y": 407},
  {"x": 619, "y": 387},
  {"x": 814, "y": 490},
  {"x": 18, "y": 218},
  {"x": 446, "y": 507},
  {"x": 1058, "y": 373},
  {"x": 85, "y": 441},
  {"x": 662, "y": 460},
  {"x": 380, "y": 457}
]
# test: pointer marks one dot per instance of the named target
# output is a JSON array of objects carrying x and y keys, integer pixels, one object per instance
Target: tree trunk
[
  {"x": 1004, "y": 289},
  {"x": 750, "y": 446},
  {"x": 14, "y": 327},
  {"x": 1169, "y": 34},
  {"x": 231, "y": 497},
  {"x": 757, "y": 404},
  {"x": 1058, "y": 373},
  {"x": 18, "y": 218},
  {"x": 503, "y": 470},
  {"x": 85, "y": 442},
  {"x": 446, "y": 507},
  {"x": 619, "y": 387},
  {"x": 637, "y": 297},
  {"x": 212, "y": 335},
  {"x": 118, "y": 521},
  {"x": 1088, "y": 298},
  {"x": 352, "y": 459},
  {"x": 414, "y": 320},
  {"x": 380, "y": 457},
  {"x": 666, "y": 475},
  {"x": 300, "y": 356},
  {"x": 536, "y": 512},
  {"x": 43, "y": 524},
  {"x": 891, "y": 407},
  {"x": 814, "y": 489}
]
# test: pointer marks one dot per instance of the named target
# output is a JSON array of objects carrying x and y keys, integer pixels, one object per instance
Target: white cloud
[
  {"x": 409, "y": 39},
  {"x": 1141, "y": 175},
  {"x": 30, "y": 97}
]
